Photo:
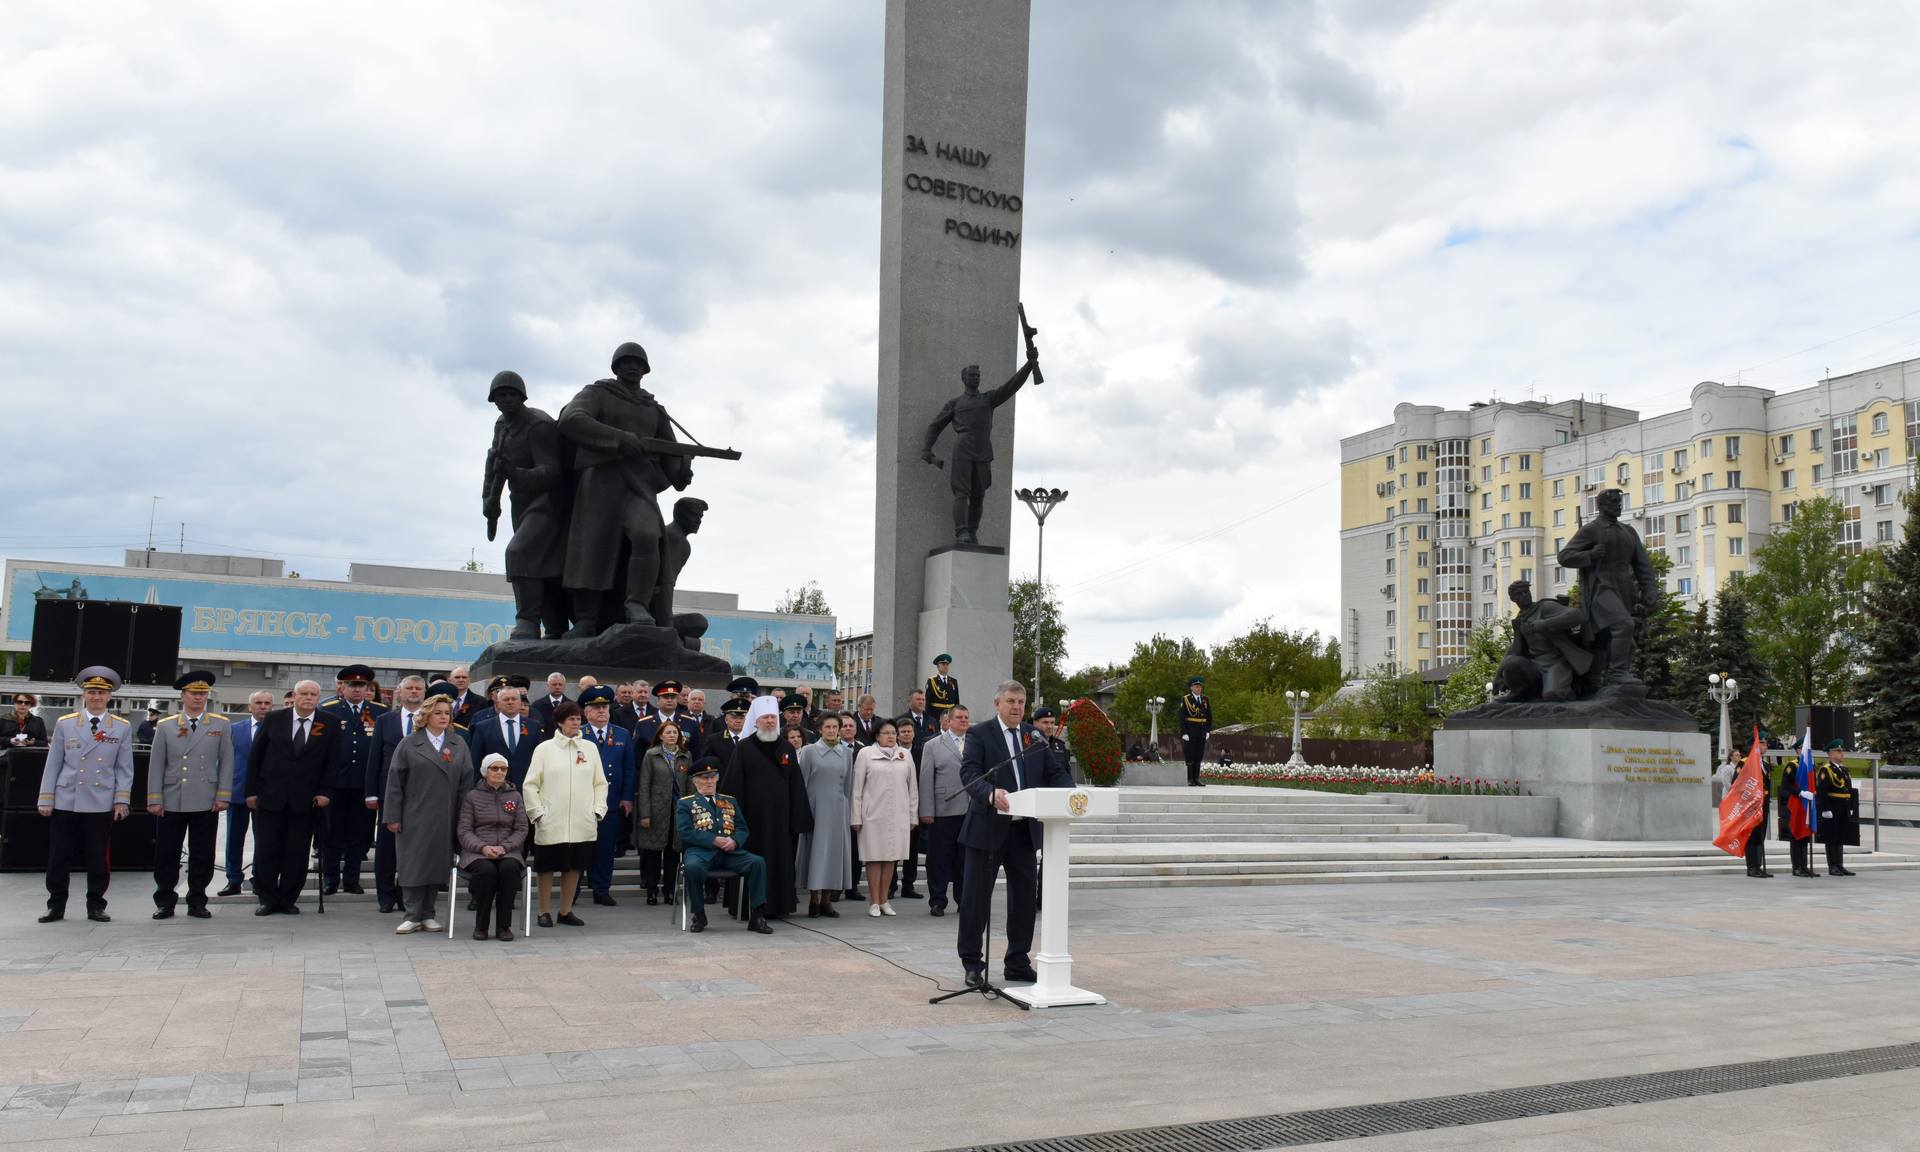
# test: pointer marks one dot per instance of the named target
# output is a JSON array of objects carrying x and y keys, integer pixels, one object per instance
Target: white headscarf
[{"x": 762, "y": 706}]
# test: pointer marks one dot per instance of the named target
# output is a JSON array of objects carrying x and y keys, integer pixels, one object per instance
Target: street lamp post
[
  {"x": 1041, "y": 502},
  {"x": 1723, "y": 690},
  {"x": 1154, "y": 704},
  {"x": 1298, "y": 700}
]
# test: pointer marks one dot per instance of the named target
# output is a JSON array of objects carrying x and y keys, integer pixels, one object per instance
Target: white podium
[{"x": 1057, "y": 809}]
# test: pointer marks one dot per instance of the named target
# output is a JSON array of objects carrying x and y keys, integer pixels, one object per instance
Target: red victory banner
[{"x": 1744, "y": 805}]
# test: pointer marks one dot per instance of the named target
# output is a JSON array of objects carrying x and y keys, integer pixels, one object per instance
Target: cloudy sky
[{"x": 261, "y": 260}]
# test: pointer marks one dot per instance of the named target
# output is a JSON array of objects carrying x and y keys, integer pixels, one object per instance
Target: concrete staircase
[{"x": 1227, "y": 835}]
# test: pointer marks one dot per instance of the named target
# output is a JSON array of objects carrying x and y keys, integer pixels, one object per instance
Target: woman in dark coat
[
  {"x": 430, "y": 773},
  {"x": 764, "y": 776},
  {"x": 21, "y": 728},
  {"x": 663, "y": 780},
  {"x": 493, "y": 832}
]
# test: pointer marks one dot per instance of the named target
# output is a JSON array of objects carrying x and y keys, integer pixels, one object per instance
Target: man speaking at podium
[{"x": 1002, "y": 756}]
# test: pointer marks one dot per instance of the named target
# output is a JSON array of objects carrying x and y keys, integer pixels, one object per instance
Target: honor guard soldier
[
  {"x": 348, "y": 825},
  {"x": 189, "y": 783},
  {"x": 1838, "y": 803},
  {"x": 713, "y": 834},
  {"x": 83, "y": 790},
  {"x": 943, "y": 691},
  {"x": 1196, "y": 721}
]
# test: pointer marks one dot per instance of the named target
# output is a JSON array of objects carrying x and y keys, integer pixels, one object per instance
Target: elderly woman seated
[{"x": 493, "y": 832}]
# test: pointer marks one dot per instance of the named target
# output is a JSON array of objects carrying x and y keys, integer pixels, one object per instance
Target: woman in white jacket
[{"x": 566, "y": 795}]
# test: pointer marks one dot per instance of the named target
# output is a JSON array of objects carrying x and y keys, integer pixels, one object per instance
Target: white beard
[{"x": 766, "y": 737}]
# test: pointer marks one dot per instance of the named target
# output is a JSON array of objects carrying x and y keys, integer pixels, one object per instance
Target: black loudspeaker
[
  {"x": 1828, "y": 724},
  {"x": 23, "y": 843},
  {"x": 139, "y": 641}
]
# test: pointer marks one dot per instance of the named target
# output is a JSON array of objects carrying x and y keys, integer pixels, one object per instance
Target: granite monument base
[
  {"x": 622, "y": 652},
  {"x": 965, "y": 614},
  {"x": 1612, "y": 783}
]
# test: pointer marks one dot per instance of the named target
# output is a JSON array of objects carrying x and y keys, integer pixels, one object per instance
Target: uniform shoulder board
[
  {"x": 216, "y": 715},
  {"x": 112, "y": 720},
  {"x": 462, "y": 727},
  {"x": 175, "y": 716},
  {"x": 70, "y": 716},
  {"x": 329, "y": 700}
]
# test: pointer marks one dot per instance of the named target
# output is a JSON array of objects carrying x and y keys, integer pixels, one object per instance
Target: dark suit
[
  {"x": 238, "y": 814},
  {"x": 282, "y": 781},
  {"x": 488, "y": 739},
  {"x": 993, "y": 841},
  {"x": 388, "y": 731},
  {"x": 627, "y": 715},
  {"x": 542, "y": 707},
  {"x": 347, "y": 824},
  {"x": 467, "y": 705},
  {"x": 692, "y": 738}
]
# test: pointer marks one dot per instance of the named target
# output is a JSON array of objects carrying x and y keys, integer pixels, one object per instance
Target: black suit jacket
[
  {"x": 281, "y": 779},
  {"x": 486, "y": 739},
  {"x": 543, "y": 708},
  {"x": 386, "y": 737},
  {"x": 985, "y": 764}
]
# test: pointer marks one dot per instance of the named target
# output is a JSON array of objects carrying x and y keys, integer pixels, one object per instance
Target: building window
[
  {"x": 1526, "y": 519},
  {"x": 1392, "y": 591},
  {"x": 1559, "y": 517},
  {"x": 1389, "y": 617},
  {"x": 1733, "y": 447},
  {"x": 1879, "y": 423},
  {"x": 1883, "y": 532},
  {"x": 1706, "y": 482},
  {"x": 1913, "y": 429},
  {"x": 1679, "y": 459},
  {"x": 1486, "y": 473},
  {"x": 1882, "y": 457},
  {"x": 1486, "y": 501},
  {"x": 1486, "y": 610},
  {"x": 1849, "y": 518},
  {"x": 1733, "y": 478},
  {"x": 1683, "y": 555},
  {"x": 1559, "y": 489},
  {"x": 1420, "y": 505},
  {"x": 1684, "y": 586},
  {"x": 1486, "y": 555},
  {"x": 1846, "y": 445},
  {"x": 1389, "y": 647},
  {"x": 1785, "y": 444},
  {"x": 1656, "y": 534},
  {"x": 1420, "y": 559},
  {"x": 1734, "y": 513},
  {"x": 1819, "y": 473},
  {"x": 1736, "y": 546},
  {"x": 1706, "y": 448},
  {"x": 1624, "y": 474},
  {"x": 1786, "y": 478},
  {"x": 1419, "y": 479},
  {"x": 1506, "y": 549},
  {"x": 1526, "y": 547},
  {"x": 1420, "y": 533},
  {"x": 1706, "y": 516},
  {"x": 1486, "y": 446},
  {"x": 1486, "y": 582},
  {"x": 1596, "y": 475},
  {"x": 1788, "y": 511},
  {"x": 1425, "y": 665},
  {"x": 1388, "y": 540},
  {"x": 1526, "y": 462},
  {"x": 1682, "y": 523},
  {"x": 1389, "y": 565},
  {"x": 1526, "y": 491},
  {"x": 1506, "y": 521},
  {"x": 1420, "y": 613},
  {"x": 1813, "y": 439},
  {"x": 1403, "y": 453},
  {"x": 1420, "y": 586},
  {"x": 1559, "y": 574},
  {"x": 1403, "y": 507},
  {"x": 1653, "y": 494},
  {"x": 1486, "y": 527},
  {"x": 1506, "y": 493},
  {"x": 1506, "y": 465},
  {"x": 1882, "y": 495},
  {"x": 1420, "y": 452}
]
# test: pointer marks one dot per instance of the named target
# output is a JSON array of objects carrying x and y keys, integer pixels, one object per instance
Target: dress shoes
[
  {"x": 652, "y": 900},
  {"x": 604, "y": 900},
  {"x": 199, "y": 912},
  {"x": 976, "y": 977},
  {"x": 353, "y": 889},
  {"x": 1841, "y": 871},
  {"x": 229, "y": 890},
  {"x": 570, "y": 920},
  {"x": 698, "y": 923},
  {"x": 759, "y": 924},
  {"x": 329, "y": 890},
  {"x": 911, "y": 894},
  {"x": 546, "y": 920},
  {"x": 482, "y": 934},
  {"x": 503, "y": 934},
  {"x": 937, "y": 910},
  {"x": 53, "y": 917},
  {"x": 1021, "y": 976},
  {"x": 163, "y": 913},
  {"x": 1759, "y": 873},
  {"x": 290, "y": 909},
  {"x": 265, "y": 910},
  {"x": 384, "y": 908},
  {"x": 100, "y": 917},
  {"x": 829, "y": 911}
]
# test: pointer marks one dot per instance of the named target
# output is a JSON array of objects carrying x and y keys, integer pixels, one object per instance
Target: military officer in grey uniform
[
  {"x": 189, "y": 784},
  {"x": 83, "y": 790}
]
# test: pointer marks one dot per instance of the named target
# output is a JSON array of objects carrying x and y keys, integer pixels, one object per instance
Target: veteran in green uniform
[
  {"x": 713, "y": 834},
  {"x": 189, "y": 783}
]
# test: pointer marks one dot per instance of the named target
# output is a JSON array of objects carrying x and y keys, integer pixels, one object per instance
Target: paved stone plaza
[{"x": 330, "y": 1032}]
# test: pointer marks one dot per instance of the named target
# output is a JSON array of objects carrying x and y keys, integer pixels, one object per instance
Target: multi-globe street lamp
[
  {"x": 1723, "y": 690},
  {"x": 1297, "y": 700},
  {"x": 1041, "y": 502}
]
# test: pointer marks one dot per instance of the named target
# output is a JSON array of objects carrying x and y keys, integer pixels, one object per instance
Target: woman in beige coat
[
  {"x": 886, "y": 803},
  {"x": 566, "y": 794}
]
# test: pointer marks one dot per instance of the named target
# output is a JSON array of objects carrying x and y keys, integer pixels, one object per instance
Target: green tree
[
  {"x": 1388, "y": 705},
  {"x": 1805, "y": 590},
  {"x": 1249, "y": 675},
  {"x": 1466, "y": 687},
  {"x": 1036, "y": 611},
  {"x": 1659, "y": 630},
  {"x": 1693, "y": 661},
  {"x": 1159, "y": 667},
  {"x": 806, "y": 600},
  {"x": 1889, "y": 688}
]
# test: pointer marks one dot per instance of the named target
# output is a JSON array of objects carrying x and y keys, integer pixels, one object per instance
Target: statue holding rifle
[
  {"x": 525, "y": 461},
  {"x": 971, "y": 415}
]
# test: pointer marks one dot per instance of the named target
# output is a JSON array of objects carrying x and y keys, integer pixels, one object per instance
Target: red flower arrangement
[{"x": 1096, "y": 743}]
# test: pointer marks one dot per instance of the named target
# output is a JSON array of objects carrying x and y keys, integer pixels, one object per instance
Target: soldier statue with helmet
[{"x": 526, "y": 460}]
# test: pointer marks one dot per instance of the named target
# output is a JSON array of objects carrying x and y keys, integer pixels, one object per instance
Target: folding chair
[
  {"x": 526, "y": 898},
  {"x": 679, "y": 909}
]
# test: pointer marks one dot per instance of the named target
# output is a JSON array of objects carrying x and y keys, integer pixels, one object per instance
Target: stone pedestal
[
  {"x": 1612, "y": 783},
  {"x": 965, "y": 614},
  {"x": 622, "y": 652}
]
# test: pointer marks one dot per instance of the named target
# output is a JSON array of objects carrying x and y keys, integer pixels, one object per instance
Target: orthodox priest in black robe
[{"x": 763, "y": 775}]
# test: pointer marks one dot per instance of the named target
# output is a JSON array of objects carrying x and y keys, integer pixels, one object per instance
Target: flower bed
[{"x": 1356, "y": 779}]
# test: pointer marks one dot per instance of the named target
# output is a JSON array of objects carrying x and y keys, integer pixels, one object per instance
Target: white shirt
[
  {"x": 507, "y": 726},
  {"x": 299, "y": 720},
  {"x": 406, "y": 722},
  {"x": 436, "y": 740},
  {"x": 1011, "y": 738}
]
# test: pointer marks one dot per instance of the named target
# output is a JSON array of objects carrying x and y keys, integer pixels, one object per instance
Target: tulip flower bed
[{"x": 1356, "y": 779}]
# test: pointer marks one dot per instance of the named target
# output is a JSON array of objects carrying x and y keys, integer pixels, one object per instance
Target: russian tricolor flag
[{"x": 1805, "y": 815}]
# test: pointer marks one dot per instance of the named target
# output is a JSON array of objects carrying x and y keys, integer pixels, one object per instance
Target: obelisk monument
[{"x": 953, "y": 173}]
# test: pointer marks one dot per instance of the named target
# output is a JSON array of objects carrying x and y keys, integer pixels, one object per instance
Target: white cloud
[{"x": 263, "y": 260}]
